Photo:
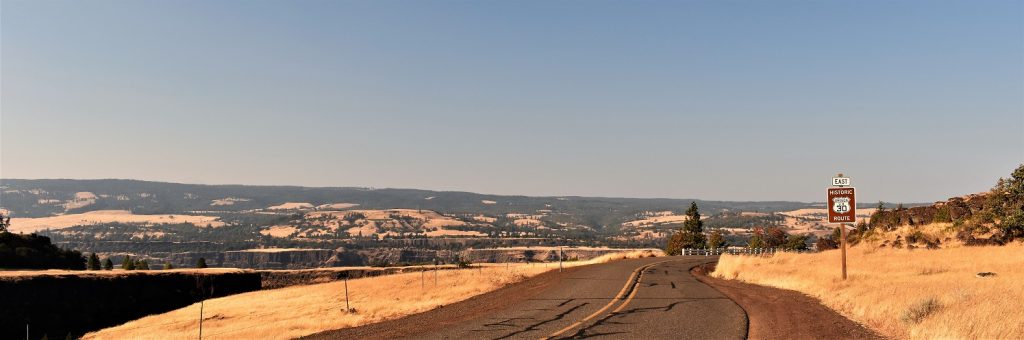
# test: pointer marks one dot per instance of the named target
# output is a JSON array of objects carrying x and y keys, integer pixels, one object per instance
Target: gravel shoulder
[{"x": 775, "y": 313}]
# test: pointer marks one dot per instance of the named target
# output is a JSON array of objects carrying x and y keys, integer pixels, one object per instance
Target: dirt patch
[{"x": 784, "y": 314}]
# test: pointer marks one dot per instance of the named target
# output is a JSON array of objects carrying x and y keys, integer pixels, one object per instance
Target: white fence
[{"x": 737, "y": 251}]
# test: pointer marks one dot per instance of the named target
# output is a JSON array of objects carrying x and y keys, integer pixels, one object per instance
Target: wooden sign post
[{"x": 842, "y": 209}]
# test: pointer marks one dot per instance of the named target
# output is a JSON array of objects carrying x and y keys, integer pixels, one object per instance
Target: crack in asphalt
[
  {"x": 582, "y": 332},
  {"x": 535, "y": 326},
  {"x": 504, "y": 323}
]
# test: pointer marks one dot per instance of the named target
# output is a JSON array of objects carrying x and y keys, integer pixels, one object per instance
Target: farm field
[{"x": 31, "y": 225}]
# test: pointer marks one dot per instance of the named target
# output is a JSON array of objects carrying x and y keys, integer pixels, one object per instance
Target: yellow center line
[
  {"x": 634, "y": 278},
  {"x": 632, "y": 294}
]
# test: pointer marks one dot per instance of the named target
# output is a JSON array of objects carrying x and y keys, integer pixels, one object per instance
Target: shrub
[
  {"x": 920, "y": 310},
  {"x": 825, "y": 243},
  {"x": 94, "y": 262},
  {"x": 942, "y": 215},
  {"x": 796, "y": 242}
]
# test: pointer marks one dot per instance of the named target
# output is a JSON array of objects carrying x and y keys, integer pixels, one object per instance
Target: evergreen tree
[
  {"x": 108, "y": 264},
  {"x": 142, "y": 265},
  {"x": 168, "y": 265},
  {"x": 5, "y": 222},
  {"x": 94, "y": 262},
  {"x": 127, "y": 264},
  {"x": 691, "y": 235},
  {"x": 201, "y": 263}
]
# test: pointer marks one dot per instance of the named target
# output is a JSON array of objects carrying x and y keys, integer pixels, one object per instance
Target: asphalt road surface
[{"x": 650, "y": 298}]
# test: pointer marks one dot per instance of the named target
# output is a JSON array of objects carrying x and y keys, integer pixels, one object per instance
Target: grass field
[
  {"x": 301, "y": 310},
  {"x": 31, "y": 225},
  {"x": 921, "y": 294}
]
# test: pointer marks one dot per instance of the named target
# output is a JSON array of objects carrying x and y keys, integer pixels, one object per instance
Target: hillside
[
  {"x": 47, "y": 197},
  {"x": 179, "y": 222},
  {"x": 308, "y": 213}
]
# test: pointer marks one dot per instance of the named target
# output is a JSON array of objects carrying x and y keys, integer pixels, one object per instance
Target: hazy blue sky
[{"x": 733, "y": 100}]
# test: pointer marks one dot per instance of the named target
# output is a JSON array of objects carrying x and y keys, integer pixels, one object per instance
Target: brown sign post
[{"x": 842, "y": 209}]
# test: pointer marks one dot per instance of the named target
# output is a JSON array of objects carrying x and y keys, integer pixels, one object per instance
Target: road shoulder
[{"x": 775, "y": 313}]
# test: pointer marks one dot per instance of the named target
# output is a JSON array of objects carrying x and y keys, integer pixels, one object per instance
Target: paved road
[{"x": 651, "y": 298}]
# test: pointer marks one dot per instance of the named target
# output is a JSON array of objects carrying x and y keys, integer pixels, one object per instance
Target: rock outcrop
[{"x": 956, "y": 208}]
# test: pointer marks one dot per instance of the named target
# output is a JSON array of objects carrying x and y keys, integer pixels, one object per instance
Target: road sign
[
  {"x": 840, "y": 181},
  {"x": 842, "y": 205}
]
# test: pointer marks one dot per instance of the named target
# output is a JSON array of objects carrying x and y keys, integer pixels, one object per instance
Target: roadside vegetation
[
  {"x": 923, "y": 294},
  {"x": 951, "y": 270},
  {"x": 302, "y": 310}
]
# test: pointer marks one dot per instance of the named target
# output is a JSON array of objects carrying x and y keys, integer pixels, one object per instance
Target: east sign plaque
[{"x": 842, "y": 205}]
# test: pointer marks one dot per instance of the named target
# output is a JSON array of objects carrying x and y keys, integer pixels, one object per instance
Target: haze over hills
[
  {"x": 159, "y": 220},
  {"x": 47, "y": 197}
]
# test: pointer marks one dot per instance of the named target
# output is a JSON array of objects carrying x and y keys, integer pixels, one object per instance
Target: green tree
[
  {"x": 756, "y": 241},
  {"x": 1006, "y": 200},
  {"x": 128, "y": 264},
  {"x": 201, "y": 263},
  {"x": 5, "y": 222},
  {"x": 168, "y": 266},
  {"x": 142, "y": 265},
  {"x": 796, "y": 242},
  {"x": 716, "y": 240},
  {"x": 94, "y": 262},
  {"x": 691, "y": 235},
  {"x": 108, "y": 264}
]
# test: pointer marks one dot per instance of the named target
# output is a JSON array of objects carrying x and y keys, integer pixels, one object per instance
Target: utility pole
[
  {"x": 201, "y": 318},
  {"x": 559, "y": 259},
  {"x": 347, "y": 308}
]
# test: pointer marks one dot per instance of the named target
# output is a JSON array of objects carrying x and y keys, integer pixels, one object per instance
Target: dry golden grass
[
  {"x": 921, "y": 294},
  {"x": 522, "y": 222},
  {"x": 301, "y": 310},
  {"x": 291, "y": 206},
  {"x": 451, "y": 232},
  {"x": 31, "y": 225},
  {"x": 279, "y": 231},
  {"x": 337, "y": 206},
  {"x": 657, "y": 220},
  {"x": 943, "y": 234}
]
